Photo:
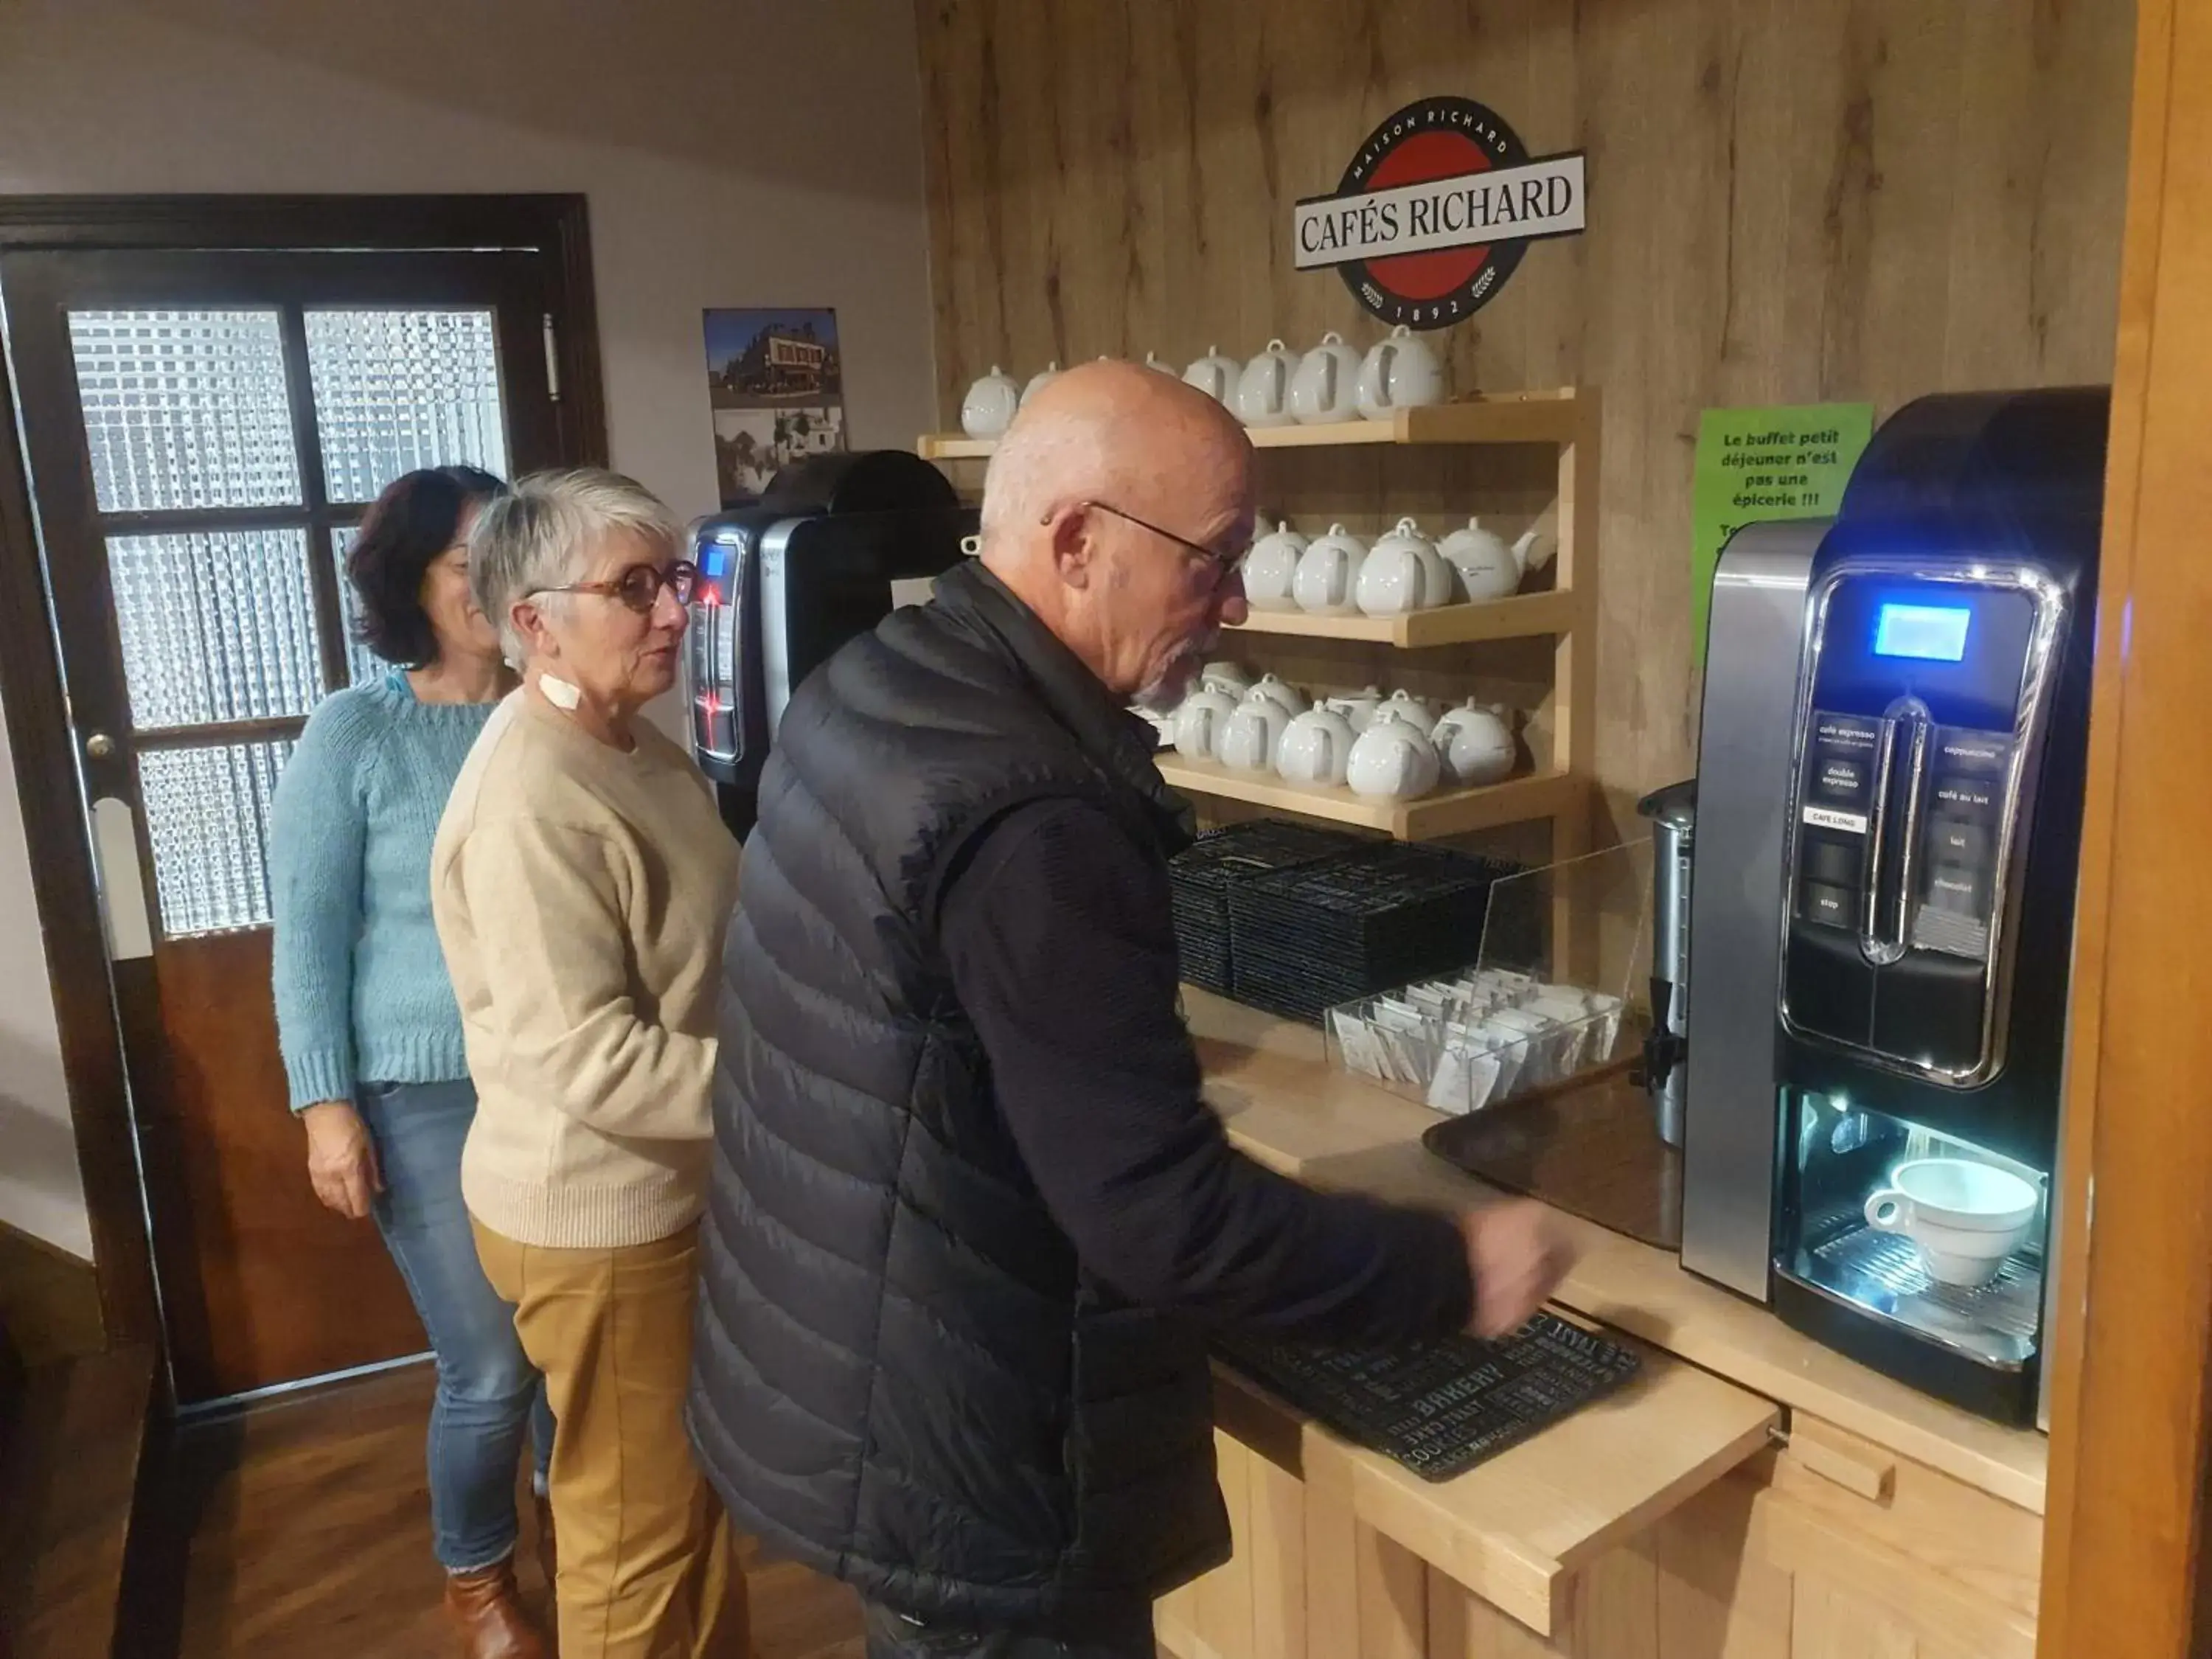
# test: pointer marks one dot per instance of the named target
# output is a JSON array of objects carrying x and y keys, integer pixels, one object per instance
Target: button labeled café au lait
[{"x": 1965, "y": 797}]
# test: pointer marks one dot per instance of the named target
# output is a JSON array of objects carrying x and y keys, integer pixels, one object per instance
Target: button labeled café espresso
[{"x": 1435, "y": 211}]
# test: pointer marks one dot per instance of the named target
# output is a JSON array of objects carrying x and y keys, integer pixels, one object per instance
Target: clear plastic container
[{"x": 1548, "y": 998}]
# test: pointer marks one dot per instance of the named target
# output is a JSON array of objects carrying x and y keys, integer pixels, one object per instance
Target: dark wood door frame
[{"x": 32, "y": 689}]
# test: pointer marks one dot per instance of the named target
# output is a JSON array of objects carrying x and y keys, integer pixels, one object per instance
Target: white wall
[{"x": 735, "y": 152}]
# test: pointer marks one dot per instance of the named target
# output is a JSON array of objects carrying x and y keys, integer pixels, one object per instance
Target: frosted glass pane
[
  {"x": 185, "y": 408},
  {"x": 206, "y": 813},
  {"x": 215, "y": 625},
  {"x": 398, "y": 389},
  {"x": 362, "y": 664}
]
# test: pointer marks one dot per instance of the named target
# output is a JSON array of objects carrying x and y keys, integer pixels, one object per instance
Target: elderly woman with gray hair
[{"x": 581, "y": 882}]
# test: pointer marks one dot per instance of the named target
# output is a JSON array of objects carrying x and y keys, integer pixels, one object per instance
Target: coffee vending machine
[
  {"x": 785, "y": 583},
  {"x": 1929, "y": 841}
]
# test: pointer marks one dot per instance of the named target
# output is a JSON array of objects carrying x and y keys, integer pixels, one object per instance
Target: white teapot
[
  {"x": 1316, "y": 748},
  {"x": 1325, "y": 387},
  {"x": 1152, "y": 361},
  {"x": 1271, "y": 568},
  {"x": 1226, "y": 677},
  {"x": 1399, "y": 372},
  {"x": 1249, "y": 741},
  {"x": 1215, "y": 375},
  {"x": 1263, "y": 389},
  {"x": 1280, "y": 692},
  {"x": 1043, "y": 378},
  {"x": 1392, "y": 761},
  {"x": 1475, "y": 743},
  {"x": 1199, "y": 722},
  {"x": 1402, "y": 572},
  {"x": 1487, "y": 566},
  {"x": 989, "y": 409},
  {"x": 1328, "y": 571},
  {"x": 1417, "y": 712},
  {"x": 1356, "y": 707}
]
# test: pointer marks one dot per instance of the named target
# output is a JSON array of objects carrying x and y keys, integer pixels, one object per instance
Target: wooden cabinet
[{"x": 1828, "y": 1548}]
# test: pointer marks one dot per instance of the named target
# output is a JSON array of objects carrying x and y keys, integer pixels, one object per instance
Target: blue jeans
[{"x": 489, "y": 1393}]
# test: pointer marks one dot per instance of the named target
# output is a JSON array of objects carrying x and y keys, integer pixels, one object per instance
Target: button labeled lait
[{"x": 1953, "y": 840}]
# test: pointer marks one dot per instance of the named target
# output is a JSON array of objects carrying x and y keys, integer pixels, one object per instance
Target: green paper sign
[{"x": 1759, "y": 463}]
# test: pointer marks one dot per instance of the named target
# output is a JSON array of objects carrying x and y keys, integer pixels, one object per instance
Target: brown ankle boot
[
  {"x": 488, "y": 1614},
  {"x": 549, "y": 1558}
]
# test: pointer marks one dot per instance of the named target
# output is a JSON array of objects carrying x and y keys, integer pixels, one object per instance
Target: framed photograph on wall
[{"x": 776, "y": 384}]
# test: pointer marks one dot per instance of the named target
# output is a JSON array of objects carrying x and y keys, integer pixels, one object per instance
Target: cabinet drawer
[{"x": 1982, "y": 1541}]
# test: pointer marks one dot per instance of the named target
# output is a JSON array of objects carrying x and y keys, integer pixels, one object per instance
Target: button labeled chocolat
[{"x": 1957, "y": 888}]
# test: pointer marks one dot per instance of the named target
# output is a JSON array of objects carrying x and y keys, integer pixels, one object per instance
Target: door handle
[
  {"x": 122, "y": 886},
  {"x": 98, "y": 746}
]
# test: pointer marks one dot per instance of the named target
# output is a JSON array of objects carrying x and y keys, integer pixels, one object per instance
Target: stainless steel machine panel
[{"x": 1754, "y": 641}]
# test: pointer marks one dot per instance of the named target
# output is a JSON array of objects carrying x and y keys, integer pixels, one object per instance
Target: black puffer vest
[{"x": 902, "y": 1376}]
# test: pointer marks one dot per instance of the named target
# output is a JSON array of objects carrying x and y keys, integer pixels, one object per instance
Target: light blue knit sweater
[{"x": 361, "y": 992}]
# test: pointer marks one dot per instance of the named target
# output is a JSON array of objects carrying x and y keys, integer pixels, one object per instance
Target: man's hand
[
  {"x": 341, "y": 1158},
  {"x": 1518, "y": 1253}
]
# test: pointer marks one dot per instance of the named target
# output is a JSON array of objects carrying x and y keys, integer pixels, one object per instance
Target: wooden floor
[{"x": 301, "y": 1530}]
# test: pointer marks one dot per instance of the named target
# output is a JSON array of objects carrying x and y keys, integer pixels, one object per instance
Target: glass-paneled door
[{"x": 205, "y": 431}]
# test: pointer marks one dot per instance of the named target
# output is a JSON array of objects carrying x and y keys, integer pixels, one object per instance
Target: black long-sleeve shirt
[{"x": 1061, "y": 948}]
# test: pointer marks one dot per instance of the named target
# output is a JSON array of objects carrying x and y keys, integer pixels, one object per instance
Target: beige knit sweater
[{"x": 581, "y": 894}]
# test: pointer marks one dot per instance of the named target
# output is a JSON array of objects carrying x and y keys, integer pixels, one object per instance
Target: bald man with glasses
[{"x": 971, "y": 1219}]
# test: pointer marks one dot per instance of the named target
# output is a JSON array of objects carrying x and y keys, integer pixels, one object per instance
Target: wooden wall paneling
[
  {"x": 2127, "y": 1527},
  {"x": 1824, "y": 199},
  {"x": 1225, "y": 1595},
  {"x": 1277, "y": 1526},
  {"x": 1393, "y": 1588},
  {"x": 1332, "y": 1539},
  {"x": 1718, "y": 1596},
  {"x": 1831, "y": 1621}
]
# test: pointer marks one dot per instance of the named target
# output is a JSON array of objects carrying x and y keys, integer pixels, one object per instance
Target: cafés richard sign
[{"x": 1435, "y": 212}]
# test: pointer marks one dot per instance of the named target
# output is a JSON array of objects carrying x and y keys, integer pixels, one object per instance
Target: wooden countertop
[{"x": 1287, "y": 1107}]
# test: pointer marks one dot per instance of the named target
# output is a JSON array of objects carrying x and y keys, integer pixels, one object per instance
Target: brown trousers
[{"x": 646, "y": 1567}]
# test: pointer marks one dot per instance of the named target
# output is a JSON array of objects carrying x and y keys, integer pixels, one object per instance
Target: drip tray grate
[{"x": 1996, "y": 1322}]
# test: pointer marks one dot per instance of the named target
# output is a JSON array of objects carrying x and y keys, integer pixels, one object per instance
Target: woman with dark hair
[{"x": 366, "y": 1019}]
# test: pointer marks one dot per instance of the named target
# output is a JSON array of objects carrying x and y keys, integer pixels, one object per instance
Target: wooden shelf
[
  {"x": 1522, "y": 617},
  {"x": 1521, "y": 418},
  {"x": 1452, "y": 813}
]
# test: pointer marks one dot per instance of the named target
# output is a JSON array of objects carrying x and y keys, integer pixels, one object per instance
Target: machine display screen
[{"x": 1933, "y": 633}]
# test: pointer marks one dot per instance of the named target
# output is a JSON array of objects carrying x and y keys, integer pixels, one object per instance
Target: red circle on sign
[{"x": 1420, "y": 159}]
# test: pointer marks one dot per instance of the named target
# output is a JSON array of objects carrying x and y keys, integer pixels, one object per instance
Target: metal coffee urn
[{"x": 1673, "y": 812}]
